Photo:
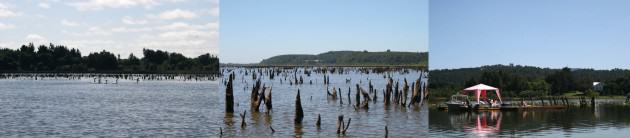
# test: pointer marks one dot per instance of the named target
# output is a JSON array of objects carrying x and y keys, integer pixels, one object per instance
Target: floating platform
[{"x": 506, "y": 108}]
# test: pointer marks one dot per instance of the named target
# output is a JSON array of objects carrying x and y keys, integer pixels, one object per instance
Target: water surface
[
  {"x": 609, "y": 118},
  {"x": 59, "y": 107},
  {"x": 402, "y": 121}
]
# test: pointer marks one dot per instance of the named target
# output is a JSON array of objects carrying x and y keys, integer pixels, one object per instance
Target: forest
[
  {"x": 518, "y": 80},
  {"x": 351, "y": 58},
  {"x": 59, "y": 58}
]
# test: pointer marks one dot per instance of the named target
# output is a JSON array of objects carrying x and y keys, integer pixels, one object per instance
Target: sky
[
  {"x": 189, "y": 27},
  {"x": 252, "y": 30},
  {"x": 544, "y": 33}
]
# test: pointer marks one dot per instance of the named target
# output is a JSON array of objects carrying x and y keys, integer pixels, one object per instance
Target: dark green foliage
[
  {"x": 619, "y": 86},
  {"x": 61, "y": 59},
  {"x": 102, "y": 61},
  {"x": 516, "y": 80},
  {"x": 561, "y": 81},
  {"x": 351, "y": 58}
]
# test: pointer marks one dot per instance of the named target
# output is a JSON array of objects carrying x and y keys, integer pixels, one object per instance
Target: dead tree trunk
[
  {"x": 254, "y": 96},
  {"x": 357, "y": 97},
  {"x": 388, "y": 91},
  {"x": 405, "y": 91},
  {"x": 229, "y": 96},
  {"x": 268, "y": 103},
  {"x": 319, "y": 121},
  {"x": 243, "y": 124},
  {"x": 340, "y": 124},
  {"x": 299, "y": 114}
]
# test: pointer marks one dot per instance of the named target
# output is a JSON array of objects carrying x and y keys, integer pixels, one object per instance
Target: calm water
[
  {"x": 77, "y": 108},
  {"x": 402, "y": 121},
  {"x": 610, "y": 118}
]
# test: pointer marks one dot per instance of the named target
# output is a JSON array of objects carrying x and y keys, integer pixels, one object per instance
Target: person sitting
[{"x": 523, "y": 103}]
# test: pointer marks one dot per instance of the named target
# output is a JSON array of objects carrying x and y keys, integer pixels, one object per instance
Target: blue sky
[
  {"x": 545, "y": 33},
  {"x": 120, "y": 26},
  {"x": 252, "y": 30}
]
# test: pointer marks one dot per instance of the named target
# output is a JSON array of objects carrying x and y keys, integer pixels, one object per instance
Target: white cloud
[
  {"x": 177, "y": 13},
  {"x": 92, "y": 31},
  {"x": 132, "y": 30},
  {"x": 186, "y": 26},
  {"x": 131, "y": 21},
  {"x": 92, "y": 5},
  {"x": 65, "y": 22},
  {"x": 6, "y": 12},
  {"x": 6, "y": 26},
  {"x": 175, "y": 26},
  {"x": 214, "y": 11},
  {"x": 36, "y": 39},
  {"x": 189, "y": 34},
  {"x": 43, "y": 5}
]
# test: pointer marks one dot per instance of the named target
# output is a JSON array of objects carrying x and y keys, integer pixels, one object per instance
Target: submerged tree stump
[
  {"x": 388, "y": 91},
  {"x": 340, "y": 124},
  {"x": 254, "y": 96},
  {"x": 229, "y": 96},
  {"x": 299, "y": 113},
  {"x": 268, "y": 102},
  {"x": 319, "y": 121},
  {"x": 243, "y": 124}
]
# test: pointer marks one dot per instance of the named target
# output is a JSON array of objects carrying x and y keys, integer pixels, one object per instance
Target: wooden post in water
[
  {"x": 405, "y": 91},
  {"x": 319, "y": 121},
  {"x": 357, "y": 97},
  {"x": 396, "y": 94},
  {"x": 347, "y": 125},
  {"x": 268, "y": 103},
  {"x": 299, "y": 114},
  {"x": 254, "y": 96},
  {"x": 388, "y": 91},
  {"x": 386, "y": 132},
  {"x": 593, "y": 101},
  {"x": 340, "y": 97},
  {"x": 349, "y": 101},
  {"x": 243, "y": 124},
  {"x": 229, "y": 97},
  {"x": 340, "y": 124}
]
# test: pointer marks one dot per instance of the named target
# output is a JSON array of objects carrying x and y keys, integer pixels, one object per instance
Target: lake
[
  {"x": 609, "y": 118},
  {"x": 402, "y": 121},
  {"x": 69, "y": 107}
]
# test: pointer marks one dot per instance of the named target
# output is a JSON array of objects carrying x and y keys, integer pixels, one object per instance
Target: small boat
[{"x": 458, "y": 102}]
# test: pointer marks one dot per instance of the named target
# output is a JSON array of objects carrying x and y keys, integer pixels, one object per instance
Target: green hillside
[{"x": 351, "y": 58}]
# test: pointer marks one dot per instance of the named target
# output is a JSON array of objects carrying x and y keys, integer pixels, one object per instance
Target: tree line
[
  {"x": 59, "y": 58},
  {"x": 517, "y": 80}
]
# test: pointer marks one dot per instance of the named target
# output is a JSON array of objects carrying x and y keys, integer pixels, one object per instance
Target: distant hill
[{"x": 351, "y": 58}]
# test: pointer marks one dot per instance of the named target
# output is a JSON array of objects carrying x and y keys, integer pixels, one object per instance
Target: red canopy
[{"x": 480, "y": 90}]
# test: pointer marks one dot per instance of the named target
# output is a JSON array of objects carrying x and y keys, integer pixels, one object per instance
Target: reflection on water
[
  {"x": 402, "y": 121},
  {"x": 609, "y": 120}
]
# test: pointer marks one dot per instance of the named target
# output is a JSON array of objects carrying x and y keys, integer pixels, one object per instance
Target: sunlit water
[
  {"x": 77, "y": 108},
  {"x": 610, "y": 118},
  {"x": 401, "y": 121}
]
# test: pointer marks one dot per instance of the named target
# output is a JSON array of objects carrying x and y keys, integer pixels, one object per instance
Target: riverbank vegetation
[
  {"x": 58, "y": 58},
  {"x": 522, "y": 81}
]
